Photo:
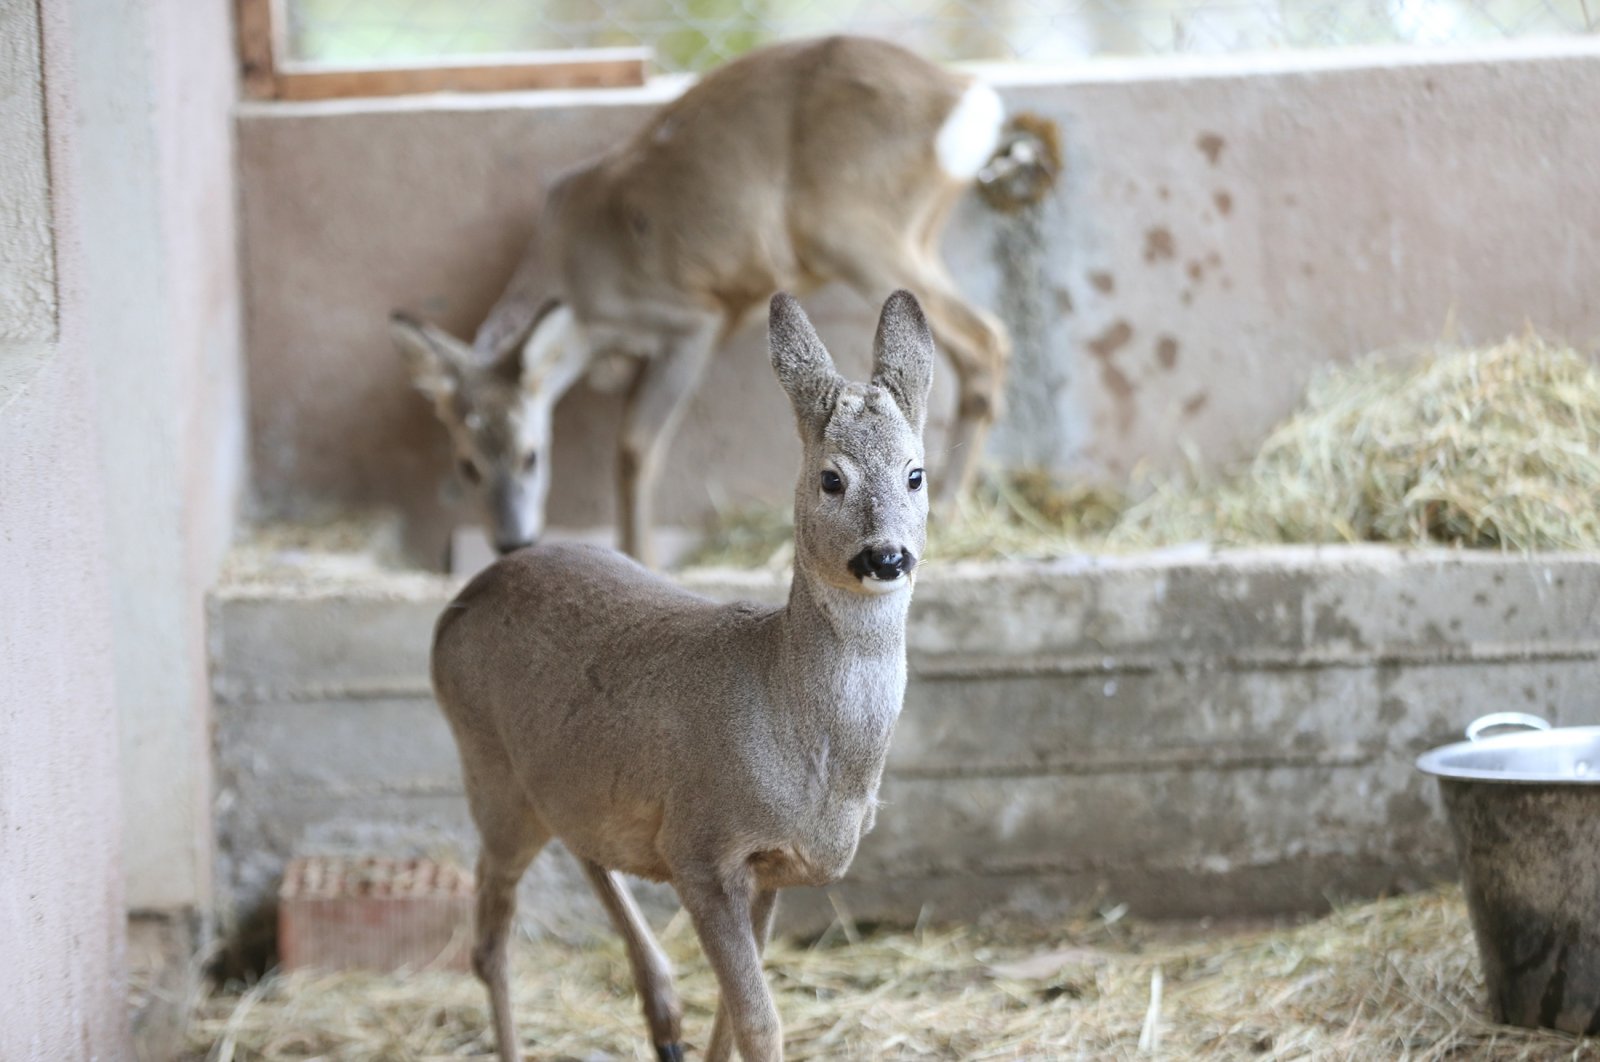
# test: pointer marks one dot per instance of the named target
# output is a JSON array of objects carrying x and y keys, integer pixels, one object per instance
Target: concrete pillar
[{"x": 62, "y": 982}]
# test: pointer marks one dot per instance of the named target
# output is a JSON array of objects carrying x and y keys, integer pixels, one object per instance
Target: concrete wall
[
  {"x": 154, "y": 135},
  {"x": 1193, "y": 734},
  {"x": 61, "y": 913},
  {"x": 27, "y": 252},
  {"x": 1224, "y": 226}
]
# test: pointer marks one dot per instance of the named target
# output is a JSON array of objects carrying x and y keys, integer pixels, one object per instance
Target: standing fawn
[
  {"x": 731, "y": 750},
  {"x": 800, "y": 164}
]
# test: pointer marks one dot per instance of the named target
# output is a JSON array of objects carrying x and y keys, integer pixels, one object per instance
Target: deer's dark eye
[
  {"x": 468, "y": 470},
  {"x": 831, "y": 483},
  {"x": 530, "y": 463},
  {"x": 914, "y": 479}
]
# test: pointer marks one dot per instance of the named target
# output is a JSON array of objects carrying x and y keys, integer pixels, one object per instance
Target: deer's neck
[{"x": 844, "y": 657}]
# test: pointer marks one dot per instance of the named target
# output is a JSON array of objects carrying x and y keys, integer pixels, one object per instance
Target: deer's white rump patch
[{"x": 971, "y": 132}]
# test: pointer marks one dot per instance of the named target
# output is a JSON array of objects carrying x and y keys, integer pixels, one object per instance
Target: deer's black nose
[{"x": 882, "y": 562}]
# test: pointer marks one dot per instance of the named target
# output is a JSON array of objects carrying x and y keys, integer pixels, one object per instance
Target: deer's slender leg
[
  {"x": 652, "y": 974},
  {"x": 978, "y": 346},
  {"x": 973, "y": 340},
  {"x": 930, "y": 227},
  {"x": 720, "y": 1049},
  {"x": 722, "y": 914},
  {"x": 511, "y": 836},
  {"x": 656, "y": 405}
]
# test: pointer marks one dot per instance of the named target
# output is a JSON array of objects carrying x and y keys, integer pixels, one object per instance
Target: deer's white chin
[{"x": 873, "y": 585}]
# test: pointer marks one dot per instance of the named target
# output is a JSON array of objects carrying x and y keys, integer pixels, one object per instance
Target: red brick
[{"x": 341, "y": 913}]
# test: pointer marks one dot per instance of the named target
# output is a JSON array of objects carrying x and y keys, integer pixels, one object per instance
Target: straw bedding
[
  {"x": 1494, "y": 447},
  {"x": 1395, "y": 979}
]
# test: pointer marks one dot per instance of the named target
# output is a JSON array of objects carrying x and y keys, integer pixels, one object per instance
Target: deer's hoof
[{"x": 669, "y": 1052}]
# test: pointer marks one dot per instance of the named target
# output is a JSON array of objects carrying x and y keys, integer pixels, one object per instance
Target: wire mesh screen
[{"x": 692, "y": 35}]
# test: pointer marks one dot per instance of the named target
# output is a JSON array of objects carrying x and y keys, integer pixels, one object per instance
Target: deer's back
[
  {"x": 727, "y": 191},
  {"x": 561, "y": 621}
]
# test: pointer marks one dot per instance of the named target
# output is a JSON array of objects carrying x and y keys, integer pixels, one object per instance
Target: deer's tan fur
[
  {"x": 731, "y": 750},
  {"x": 816, "y": 161}
]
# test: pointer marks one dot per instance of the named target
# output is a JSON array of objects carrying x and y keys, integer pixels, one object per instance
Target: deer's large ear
[
  {"x": 902, "y": 356},
  {"x": 522, "y": 357},
  {"x": 801, "y": 361},
  {"x": 434, "y": 356},
  {"x": 552, "y": 354}
]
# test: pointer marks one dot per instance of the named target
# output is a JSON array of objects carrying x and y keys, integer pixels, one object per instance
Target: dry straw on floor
[
  {"x": 1395, "y": 979},
  {"x": 1495, "y": 447}
]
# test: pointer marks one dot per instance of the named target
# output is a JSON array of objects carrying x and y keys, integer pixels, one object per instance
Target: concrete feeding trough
[
  {"x": 345, "y": 913},
  {"x": 1191, "y": 732}
]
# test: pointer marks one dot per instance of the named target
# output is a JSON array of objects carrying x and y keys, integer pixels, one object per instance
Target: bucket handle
[{"x": 1495, "y": 720}]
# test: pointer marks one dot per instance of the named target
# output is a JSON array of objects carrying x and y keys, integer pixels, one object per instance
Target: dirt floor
[{"x": 1394, "y": 979}]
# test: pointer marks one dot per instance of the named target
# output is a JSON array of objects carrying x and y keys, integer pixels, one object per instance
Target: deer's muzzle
[{"x": 885, "y": 563}]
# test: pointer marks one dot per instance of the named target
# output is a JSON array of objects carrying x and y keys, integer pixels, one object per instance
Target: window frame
[{"x": 267, "y": 72}]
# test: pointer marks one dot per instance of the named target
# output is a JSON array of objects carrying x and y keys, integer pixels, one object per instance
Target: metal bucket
[{"x": 1525, "y": 811}]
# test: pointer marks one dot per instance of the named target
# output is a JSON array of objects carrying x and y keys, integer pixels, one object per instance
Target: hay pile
[
  {"x": 356, "y": 550},
  {"x": 1495, "y": 447},
  {"x": 1483, "y": 448},
  {"x": 1022, "y": 514},
  {"x": 1393, "y": 979}
]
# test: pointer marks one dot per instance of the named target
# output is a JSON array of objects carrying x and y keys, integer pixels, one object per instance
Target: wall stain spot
[
  {"x": 1211, "y": 145},
  {"x": 1121, "y": 389},
  {"x": 1187, "y": 297},
  {"x": 1113, "y": 339},
  {"x": 1196, "y": 403},
  {"x": 1159, "y": 245},
  {"x": 1167, "y": 351},
  {"x": 1116, "y": 382},
  {"x": 1064, "y": 304},
  {"x": 1102, "y": 282},
  {"x": 1164, "y": 192},
  {"x": 1194, "y": 269},
  {"x": 1224, "y": 202}
]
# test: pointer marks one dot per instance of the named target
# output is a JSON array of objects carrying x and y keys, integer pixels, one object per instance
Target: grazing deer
[
  {"x": 731, "y": 750},
  {"x": 803, "y": 163}
]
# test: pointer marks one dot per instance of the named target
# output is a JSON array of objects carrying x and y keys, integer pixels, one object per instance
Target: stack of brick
[{"x": 341, "y": 913}]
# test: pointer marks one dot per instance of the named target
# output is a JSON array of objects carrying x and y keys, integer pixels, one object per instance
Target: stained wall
[{"x": 1224, "y": 227}]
